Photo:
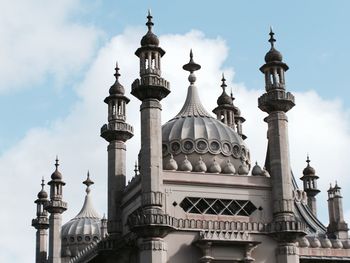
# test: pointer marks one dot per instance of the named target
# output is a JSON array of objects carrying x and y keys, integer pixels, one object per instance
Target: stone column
[
  {"x": 151, "y": 154},
  {"x": 152, "y": 250},
  {"x": 116, "y": 184},
  {"x": 287, "y": 253},
  {"x": 55, "y": 221},
  {"x": 41, "y": 246}
]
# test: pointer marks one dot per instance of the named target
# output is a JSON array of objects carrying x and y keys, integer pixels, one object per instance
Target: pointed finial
[
  {"x": 56, "y": 162},
  {"x": 42, "y": 183},
  {"x": 223, "y": 85},
  {"x": 136, "y": 169},
  {"x": 149, "y": 23},
  {"x": 308, "y": 160},
  {"x": 116, "y": 74},
  {"x": 191, "y": 66},
  {"x": 88, "y": 182},
  {"x": 272, "y": 40}
]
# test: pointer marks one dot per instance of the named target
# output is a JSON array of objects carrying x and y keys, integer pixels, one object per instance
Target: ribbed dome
[
  {"x": 193, "y": 132},
  {"x": 82, "y": 230}
]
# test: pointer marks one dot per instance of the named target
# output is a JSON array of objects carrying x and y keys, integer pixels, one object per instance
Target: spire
[
  {"x": 191, "y": 66},
  {"x": 192, "y": 106},
  {"x": 272, "y": 40},
  {"x": 149, "y": 23},
  {"x": 88, "y": 182},
  {"x": 223, "y": 85}
]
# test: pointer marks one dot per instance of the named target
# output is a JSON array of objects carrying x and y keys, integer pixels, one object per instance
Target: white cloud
[
  {"x": 317, "y": 126},
  {"x": 39, "y": 38}
]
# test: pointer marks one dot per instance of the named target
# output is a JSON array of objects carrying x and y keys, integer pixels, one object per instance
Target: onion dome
[
  {"x": 186, "y": 165},
  {"x": 229, "y": 168},
  {"x": 84, "y": 228},
  {"x": 315, "y": 242},
  {"x": 224, "y": 98},
  {"x": 56, "y": 175},
  {"x": 117, "y": 88},
  {"x": 303, "y": 242},
  {"x": 150, "y": 39},
  {"x": 195, "y": 133},
  {"x": 326, "y": 243},
  {"x": 273, "y": 55},
  {"x": 200, "y": 166},
  {"x": 215, "y": 167},
  {"x": 243, "y": 169},
  {"x": 171, "y": 164},
  {"x": 42, "y": 194},
  {"x": 336, "y": 243},
  {"x": 257, "y": 171},
  {"x": 308, "y": 169}
]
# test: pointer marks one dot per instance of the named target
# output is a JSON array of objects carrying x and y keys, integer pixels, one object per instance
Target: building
[{"x": 195, "y": 196}]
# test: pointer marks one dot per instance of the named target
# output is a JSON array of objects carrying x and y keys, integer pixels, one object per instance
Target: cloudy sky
[{"x": 57, "y": 63}]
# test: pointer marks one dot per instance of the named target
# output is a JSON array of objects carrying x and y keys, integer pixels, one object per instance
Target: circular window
[
  {"x": 226, "y": 148},
  {"x": 79, "y": 238},
  {"x": 65, "y": 239},
  {"x": 236, "y": 151},
  {"x": 214, "y": 146},
  {"x": 165, "y": 149},
  {"x": 87, "y": 238},
  {"x": 201, "y": 146},
  {"x": 71, "y": 239},
  {"x": 175, "y": 147},
  {"x": 188, "y": 146}
]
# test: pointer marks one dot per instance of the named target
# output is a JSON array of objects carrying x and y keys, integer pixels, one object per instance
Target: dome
[
  {"x": 42, "y": 194},
  {"x": 117, "y": 88},
  {"x": 82, "y": 230},
  {"x": 150, "y": 39},
  {"x": 194, "y": 133},
  {"x": 224, "y": 99},
  {"x": 273, "y": 55},
  {"x": 257, "y": 171}
]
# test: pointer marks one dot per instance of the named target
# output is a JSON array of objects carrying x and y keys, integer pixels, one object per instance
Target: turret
[
  {"x": 150, "y": 89},
  {"x": 116, "y": 132},
  {"x": 309, "y": 179},
  {"x": 337, "y": 227},
  {"x": 227, "y": 112},
  {"x": 56, "y": 206},
  {"x": 41, "y": 224},
  {"x": 276, "y": 102}
]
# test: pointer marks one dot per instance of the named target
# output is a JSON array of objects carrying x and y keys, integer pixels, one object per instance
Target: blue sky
[{"x": 57, "y": 60}]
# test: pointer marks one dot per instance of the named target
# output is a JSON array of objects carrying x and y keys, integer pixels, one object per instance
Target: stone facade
[{"x": 194, "y": 196}]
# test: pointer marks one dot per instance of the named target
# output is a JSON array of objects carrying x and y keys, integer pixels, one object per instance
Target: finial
[
  {"x": 42, "y": 183},
  {"x": 308, "y": 160},
  {"x": 88, "y": 182},
  {"x": 272, "y": 39},
  {"x": 223, "y": 85},
  {"x": 191, "y": 66},
  {"x": 117, "y": 74},
  {"x": 56, "y": 162},
  {"x": 136, "y": 169},
  {"x": 149, "y": 23}
]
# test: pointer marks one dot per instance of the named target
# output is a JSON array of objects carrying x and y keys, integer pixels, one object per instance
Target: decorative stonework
[
  {"x": 224, "y": 235},
  {"x": 153, "y": 244}
]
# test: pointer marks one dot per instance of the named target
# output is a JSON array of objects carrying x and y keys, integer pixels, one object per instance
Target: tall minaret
[
  {"x": 41, "y": 224},
  {"x": 116, "y": 132},
  {"x": 337, "y": 227},
  {"x": 309, "y": 179},
  {"x": 276, "y": 102},
  {"x": 55, "y": 207},
  {"x": 151, "y": 88}
]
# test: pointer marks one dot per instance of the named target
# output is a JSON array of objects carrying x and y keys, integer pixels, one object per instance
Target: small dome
[
  {"x": 83, "y": 229},
  {"x": 150, "y": 39},
  {"x": 346, "y": 243},
  {"x": 171, "y": 164},
  {"x": 215, "y": 167},
  {"x": 224, "y": 99},
  {"x": 273, "y": 56},
  {"x": 257, "y": 171},
  {"x": 326, "y": 243},
  {"x": 336, "y": 243},
  {"x": 229, "y": 168},
  {"x": 42, "y": 194},
  {"x": 303, "y": 242},
  {"x": 243, "y": 170},
  {"x": 315, "y": 242},
  {"x": 200, "y": 166},
  {"x": 186, "y": 165}
]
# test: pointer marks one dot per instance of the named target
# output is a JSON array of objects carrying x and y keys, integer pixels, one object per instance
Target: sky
[{"x": 57, "y": 63}]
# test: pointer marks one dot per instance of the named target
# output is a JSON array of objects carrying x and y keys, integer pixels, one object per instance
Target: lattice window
[{"x": 211, "y": 206}]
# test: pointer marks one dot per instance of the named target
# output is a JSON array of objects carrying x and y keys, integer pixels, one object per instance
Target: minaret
[
  {"x": 276, "y": 102},
  {"x": 227, "y": 112},
  {"x": 41, "y": 224},
  {"x": 116, "y": 132},
  {"x": 55, "y": 207},
  {"x": 337, "y": 227},
  {"x": 150, "y": 89},
  {"x": 309, "y": 179}
]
